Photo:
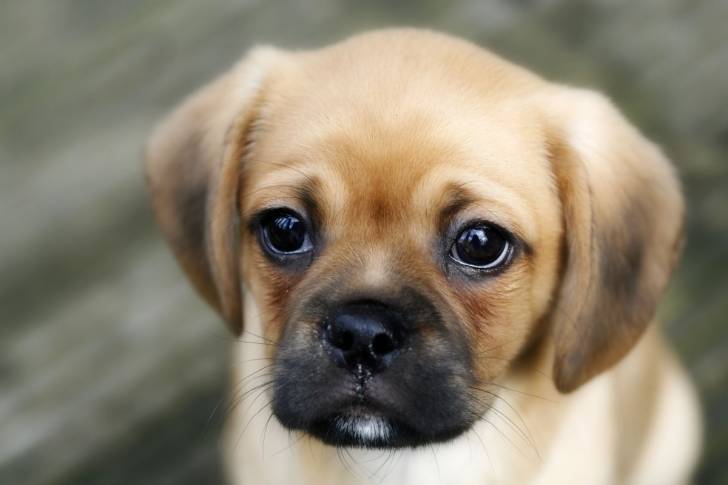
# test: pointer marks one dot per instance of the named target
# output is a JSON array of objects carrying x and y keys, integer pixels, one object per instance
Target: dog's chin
[
  {"x": 362, "y": 428},
  {"x": 359, "y": 430}
]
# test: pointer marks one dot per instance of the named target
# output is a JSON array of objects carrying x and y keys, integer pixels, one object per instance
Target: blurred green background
[{"x": 110, "y": 366}]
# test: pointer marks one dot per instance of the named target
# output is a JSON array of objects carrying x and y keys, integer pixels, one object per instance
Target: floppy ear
[
  {"x": 623, "y": 215},
  {"x": 192, "y": 167}
]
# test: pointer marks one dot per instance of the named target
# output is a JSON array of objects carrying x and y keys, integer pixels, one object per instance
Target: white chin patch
[{"x": 368, "y": 429}]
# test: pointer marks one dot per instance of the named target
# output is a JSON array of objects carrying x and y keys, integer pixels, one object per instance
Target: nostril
[
  {"x": 341, "y": 339},
  {"x": 383, "y": 344},
  {"x": 345, "y": 340},
  {"x": 361, "y": 338}
]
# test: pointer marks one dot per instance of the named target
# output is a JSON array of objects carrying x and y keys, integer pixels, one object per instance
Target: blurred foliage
[{"x": 110, "y": 365}]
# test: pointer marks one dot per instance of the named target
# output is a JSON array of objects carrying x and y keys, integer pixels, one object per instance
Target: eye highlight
[
  {"x": 482, "y": 246},
  {"x": 284, "y": 233}
]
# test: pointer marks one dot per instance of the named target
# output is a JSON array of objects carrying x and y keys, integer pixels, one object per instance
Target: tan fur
[{"x": 384, "y": 132}]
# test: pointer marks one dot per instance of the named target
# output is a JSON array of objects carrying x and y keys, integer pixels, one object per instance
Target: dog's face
[
  {"x": 392, "y": 256},
  {"x": 414, "y": 216}
]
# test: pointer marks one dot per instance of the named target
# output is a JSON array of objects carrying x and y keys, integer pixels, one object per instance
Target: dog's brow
[
  {"x": 457, "y": 199},
  {"x": 307, "y": 193},
  {"x": 301, "y": 193}
]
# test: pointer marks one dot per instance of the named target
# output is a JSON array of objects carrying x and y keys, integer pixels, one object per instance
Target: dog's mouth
[
  {"x": 366, "y": 376},
  {"x": 362, "y": 426},
  {"x": 359, "y": 430}
]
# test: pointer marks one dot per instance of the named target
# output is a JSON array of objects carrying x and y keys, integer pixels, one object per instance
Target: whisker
[
  {"x": 240, "y": 363},
  {"x": 523, "y": 422},
  {"x": 260, "y": 388},
  {"x": 347, "y": 466},
  {"x": 389, "y": 456},
  {"x": 354, "y": 464},
  {"x": 265, "y": 431},
  {"x": 238, "y": 401},
  {"x": 291, "y": 444},
  {"x": 541, "y": 373},
  {"x": 524, "y": 393},
  {"x": 485, "y": 449},
  {"x": 233, "y": 396},
  {"x": 241, "y": 341},
  {"x": 256, "y": 372},
  {"x": 525, "y": 435},
  {"x": 261, "y": 337},
  {"x": 504, "y": 436},
  {"x": 245, "y": 428},
  {"x": 437, "y": 463}
]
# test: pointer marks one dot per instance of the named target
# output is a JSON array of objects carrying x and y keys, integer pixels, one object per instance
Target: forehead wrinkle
[
  {"x": 313, "y": 188},
  {"x": 455, "y": 198},
  {"x": 380, "y": 196},
  {"x": 494, "y": 201},
  {"x": 259, "y": 187},
  {"x": 377, "y": 186}
]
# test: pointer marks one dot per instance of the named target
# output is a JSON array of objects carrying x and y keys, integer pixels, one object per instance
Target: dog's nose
[{"x": 364, "y": 338}]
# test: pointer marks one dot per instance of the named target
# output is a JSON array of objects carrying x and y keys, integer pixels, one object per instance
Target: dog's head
[{"x": 411, "y": 216}]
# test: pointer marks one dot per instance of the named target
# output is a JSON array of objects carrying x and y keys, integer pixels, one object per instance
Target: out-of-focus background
[{"x": 110, "y": 366}]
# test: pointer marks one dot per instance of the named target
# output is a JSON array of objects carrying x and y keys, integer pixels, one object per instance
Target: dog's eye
[
  {"x": 481, "y": 246},
  {"x": 284, "y": 232}
]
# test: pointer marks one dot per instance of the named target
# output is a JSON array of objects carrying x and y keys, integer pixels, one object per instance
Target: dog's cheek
[
  {"x": 277, "y": 295},
  {"x": 499, "y": 322},
  {"x": 271, "y": 289}
]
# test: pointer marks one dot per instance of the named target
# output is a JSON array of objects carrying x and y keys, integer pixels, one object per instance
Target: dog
[{"x": 440, "y": 267}]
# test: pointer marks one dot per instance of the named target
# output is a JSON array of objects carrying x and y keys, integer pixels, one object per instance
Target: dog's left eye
[
  {"x": 482, "y": 246},
  {"x": 284, "y": 232}
]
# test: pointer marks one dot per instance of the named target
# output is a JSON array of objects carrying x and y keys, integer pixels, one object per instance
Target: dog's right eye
[
  {"x": 283, "y": 232},
  {"x": 482, "y": 246}
]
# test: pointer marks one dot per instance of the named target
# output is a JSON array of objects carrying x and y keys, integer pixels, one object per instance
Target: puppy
[{"x": 434, "y": 252}]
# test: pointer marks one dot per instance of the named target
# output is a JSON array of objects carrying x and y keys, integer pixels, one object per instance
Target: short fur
[{"x": 542, "y": 373}]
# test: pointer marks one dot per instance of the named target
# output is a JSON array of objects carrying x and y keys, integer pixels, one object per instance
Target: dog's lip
[
  {"x": 362, "y": 427},
  {"x": 362, "y": 422},
  {"x": 362, "y": 410}
]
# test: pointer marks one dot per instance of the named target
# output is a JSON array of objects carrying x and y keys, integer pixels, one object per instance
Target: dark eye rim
[
  {"x": 262, "y": 230},
  {"x": 503, "y": 260}
]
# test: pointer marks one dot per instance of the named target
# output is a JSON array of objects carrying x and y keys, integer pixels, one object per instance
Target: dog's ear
[
  {"x": 193, "y": 168},
  {"x": 623, "y": 215}
]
